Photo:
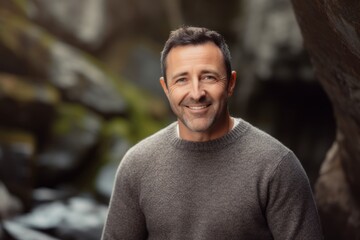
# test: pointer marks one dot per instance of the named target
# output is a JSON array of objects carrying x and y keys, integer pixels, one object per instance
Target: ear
[
  {"x": 164, "y": 86},
  {"x": 232, "y": 83}
]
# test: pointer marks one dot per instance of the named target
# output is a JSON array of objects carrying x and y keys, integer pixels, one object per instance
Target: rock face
[
  {"x": 66, "y": 119},
  {"x": 331, "y": 33}
]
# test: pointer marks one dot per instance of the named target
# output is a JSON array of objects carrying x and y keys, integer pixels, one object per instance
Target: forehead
[{"x": 194, "y": 55}]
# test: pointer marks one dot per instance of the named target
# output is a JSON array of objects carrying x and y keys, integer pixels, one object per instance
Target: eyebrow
[
  {"x": 180, "y": 74},
  {"x": 210, "y": 71}
]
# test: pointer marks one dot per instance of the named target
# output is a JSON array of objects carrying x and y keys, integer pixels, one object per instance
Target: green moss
[
  {"x": 70, "y": 117},
  {"x": 16, "y": 30},
  {"x": 22, "y": 5},
  {"x": 116, "y": 126},
  {"x": 144, "y": 110},
  {"x": 113, "y": 130}
]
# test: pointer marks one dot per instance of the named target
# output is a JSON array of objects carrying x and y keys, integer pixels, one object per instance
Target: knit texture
[{"x": 244, "y": 185}]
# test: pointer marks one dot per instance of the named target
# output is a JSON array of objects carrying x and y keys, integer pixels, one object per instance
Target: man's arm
[
  {"x": 125, "y": 219},
  {"x": 291, "y": 210}
]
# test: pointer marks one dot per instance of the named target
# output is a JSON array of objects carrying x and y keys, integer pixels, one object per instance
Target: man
[{"x": 208, "y": 175}]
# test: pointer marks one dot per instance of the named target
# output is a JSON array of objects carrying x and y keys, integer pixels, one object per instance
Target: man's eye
[
  {"x": 209, "y": 78},
  {"x": 180, "y": 80}
]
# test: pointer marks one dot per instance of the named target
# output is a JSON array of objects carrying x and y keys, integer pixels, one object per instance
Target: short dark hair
[{"x": 188, "y": 35}]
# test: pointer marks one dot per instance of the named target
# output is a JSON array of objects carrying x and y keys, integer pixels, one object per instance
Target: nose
[{"x": 197, "y": 92}]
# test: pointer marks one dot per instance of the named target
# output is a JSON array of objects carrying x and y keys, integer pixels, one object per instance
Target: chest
[{"x": 201, "y": 198}]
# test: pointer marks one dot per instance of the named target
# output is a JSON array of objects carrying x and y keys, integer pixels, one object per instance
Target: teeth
[{"x": 197, "y": 107}]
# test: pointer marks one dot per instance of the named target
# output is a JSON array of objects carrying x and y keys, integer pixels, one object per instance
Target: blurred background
[{"x": 79, "y": 85}]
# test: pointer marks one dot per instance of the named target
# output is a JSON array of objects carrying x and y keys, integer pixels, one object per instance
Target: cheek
[
  {"x": 176, "y": 94},
  {"x": 174, "y": 98},
  {"x": 218, "y": 92}
]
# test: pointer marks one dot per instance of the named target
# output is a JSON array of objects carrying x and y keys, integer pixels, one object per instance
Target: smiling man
[
  {"x": 208, "y": 175},
  {"x": 198, "y": 88}
]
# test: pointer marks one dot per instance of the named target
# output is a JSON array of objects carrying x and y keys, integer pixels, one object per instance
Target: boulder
[
  {"x": 339, "y": 210},
  {"x": 17, "y": 151},
  {"x": 91, "y": 24},
  {"x": 78, "y": 76},
  {"x": 27, "y": 104},
  {"x": 331, "y": 36},
  {"x": 74, "y": 73},
  {"x": 75, "y": 133}
]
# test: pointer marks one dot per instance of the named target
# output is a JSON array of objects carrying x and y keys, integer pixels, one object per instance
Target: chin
[{"x": 199, "y": 125}]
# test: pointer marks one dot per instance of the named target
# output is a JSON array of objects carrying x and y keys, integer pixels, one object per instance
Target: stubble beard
[
  {"x": 198, "y": 125},
  {"x": 205, "y": 123}
]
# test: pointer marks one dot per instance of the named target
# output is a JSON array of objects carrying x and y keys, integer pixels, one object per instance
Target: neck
[{"x": 211, "y": 134}]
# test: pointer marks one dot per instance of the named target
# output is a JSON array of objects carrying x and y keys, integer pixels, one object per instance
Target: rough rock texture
[
  {"x": 331, "y": 33},
  {"x": 339, "y": 209}
]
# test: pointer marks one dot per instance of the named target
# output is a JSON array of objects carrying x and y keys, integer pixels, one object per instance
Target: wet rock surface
[
  {"x": 75, "y": 218},
  {"x": 15, "y": 231}
]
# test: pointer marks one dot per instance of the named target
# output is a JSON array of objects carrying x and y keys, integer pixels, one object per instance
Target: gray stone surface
[
  {"x": 78, "y": 218},
  {"x": 19, "y": 232}
]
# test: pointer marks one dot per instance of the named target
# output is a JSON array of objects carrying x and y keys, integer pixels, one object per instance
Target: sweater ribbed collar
[{"x": 212, "y": 145}]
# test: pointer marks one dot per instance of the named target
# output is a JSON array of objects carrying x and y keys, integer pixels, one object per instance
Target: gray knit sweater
[{"x": 244, "y": 185}]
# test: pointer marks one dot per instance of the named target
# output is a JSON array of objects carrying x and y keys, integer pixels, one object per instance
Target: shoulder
[
  {"x": 257, "y": 140},
  {"x": 264, "y": 152},
  {"x": 276, "y": 157},
  {"x": 154, "y": 142},
  {"x": 139, "y": 155}
]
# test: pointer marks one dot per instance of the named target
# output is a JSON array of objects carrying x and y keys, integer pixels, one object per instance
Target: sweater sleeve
[
  {"x": 125, "y": 219},
  {"x": 291, "y": 210}
]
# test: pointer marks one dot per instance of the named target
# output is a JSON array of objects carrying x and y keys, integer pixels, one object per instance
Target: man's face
[{"x": 198, "y": 90}]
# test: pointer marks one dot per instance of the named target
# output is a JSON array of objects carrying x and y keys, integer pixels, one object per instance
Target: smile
[{"x": 197, "y": 107}]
